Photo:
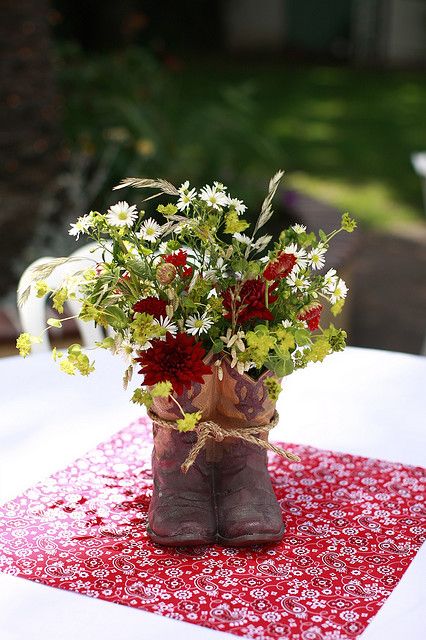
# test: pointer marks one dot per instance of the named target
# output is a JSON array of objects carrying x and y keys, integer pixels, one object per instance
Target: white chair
[
  {"x": 32, "y": 314},
  {"x": 418, "y": 160}
]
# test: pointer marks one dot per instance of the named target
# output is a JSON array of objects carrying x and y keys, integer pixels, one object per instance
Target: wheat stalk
[
  {"x": 149, "y": 183},
  {"x": 40, "y": 272},
  {"x": 266, "y": 210}
]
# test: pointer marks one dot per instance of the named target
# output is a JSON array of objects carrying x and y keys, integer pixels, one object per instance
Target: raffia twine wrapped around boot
[{"x": 211, "y": 430}]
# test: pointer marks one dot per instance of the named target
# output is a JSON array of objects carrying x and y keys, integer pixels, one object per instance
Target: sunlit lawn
[{"x": 346, "y": 135}]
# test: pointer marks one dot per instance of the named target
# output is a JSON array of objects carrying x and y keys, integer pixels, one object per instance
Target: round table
[{"x": 361, "y": 401}]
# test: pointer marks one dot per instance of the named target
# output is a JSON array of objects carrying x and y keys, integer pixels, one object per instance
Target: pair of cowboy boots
[{"x": 226, "y": 496}]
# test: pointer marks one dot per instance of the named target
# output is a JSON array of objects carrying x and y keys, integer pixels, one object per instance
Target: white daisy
[
  {"x": 198, "y": 324},
  {"x": 241, "y": 237},
  {"x": 150, "y": 230},
  {"x": 122, "y": 214},
  {"x": 187, "y": 195},
  {"x": 163, "y": 248},
  {"x": 184, "y": 187},
  {"x": 299, "y": 228},
  {"x": 301, "y": 256},
  {"x": 214, "y": 197},
  {"x": 237, "y": 205},
  {"x": 316, "y": 257},
  {"x": 339, "y": 291},
  {"x": 219, "y": 186},
  {"x": 167, "y": 324},
  {"x": 286, "y": 324},
  {"x": 297, "y": 281},
  {"x": 82, "y": 225},
  {"x": 124, "y": 348},
  {"x": 330, "y": 281},
  {"x": 213, "y": 273}
]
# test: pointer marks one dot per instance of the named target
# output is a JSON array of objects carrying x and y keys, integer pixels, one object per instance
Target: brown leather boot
[
  {"x": 246, "y": 506},
  {"x": 181, "y": 511}
]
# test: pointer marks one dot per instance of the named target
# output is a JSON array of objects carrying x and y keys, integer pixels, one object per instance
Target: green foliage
[
  {"x": 273, "y": 388},
  {"x": 59, "y": 297},
  {"x": 234, "y": 224},
  {"x": 189, "y": 421},
  {"x": 127, "y": 110},
  {"x": 117, "y": 319},
  {"x": 348, "y": 223}
]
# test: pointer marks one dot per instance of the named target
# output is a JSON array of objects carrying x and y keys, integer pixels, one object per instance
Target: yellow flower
[
  {"x": 161, "y": 389},
  {"x": 189, "y": 421},
  {"x": 233, "y": 224},
  {"x": 285, "y": 339},
  {"x": 319, "y": 350},
  {"x": 273, "y": 388},
  {"x": 42, "y": 288},
  {"x": 24, "y": 343},
  {"x": 142, "y": 397},
  {"x": 59, "y": 297},
  {"x": 67, "y": 366}
]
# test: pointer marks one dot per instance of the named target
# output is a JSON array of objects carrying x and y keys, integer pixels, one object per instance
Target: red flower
[
  {"x": 178, "y": 359},
  {"x": 152, "y": 305},
  {"x": 178, "y": 258},
  {"x": 280, "y": 267},
  {"x": 187, "y": 272},
  {"x": 311, "y": 317},
  {"x": 250, "y": 303}
]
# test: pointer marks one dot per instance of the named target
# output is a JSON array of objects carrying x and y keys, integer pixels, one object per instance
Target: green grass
[{"x": 345, "y": 135}]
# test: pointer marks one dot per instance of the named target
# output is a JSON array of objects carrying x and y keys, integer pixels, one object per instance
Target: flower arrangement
[{"x": 191, "y": 285}]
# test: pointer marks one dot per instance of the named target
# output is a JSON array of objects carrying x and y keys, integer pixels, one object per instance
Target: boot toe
[
  {"x": 250, "y": 523},
  {"x": 177, "y": 524}
]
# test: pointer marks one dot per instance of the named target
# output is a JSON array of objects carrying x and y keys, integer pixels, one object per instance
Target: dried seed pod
[{"x": 166, "y": 273}]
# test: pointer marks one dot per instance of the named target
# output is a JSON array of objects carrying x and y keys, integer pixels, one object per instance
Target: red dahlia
[
  {"x": 250, "y": 303},
  {"x": 280, "y": 267},
  {"x": 178, "y": 258},
  {"x": 311, "y": 317},
  {"x": 152, "y": 305},
  {"x": 178, "y": 359}
]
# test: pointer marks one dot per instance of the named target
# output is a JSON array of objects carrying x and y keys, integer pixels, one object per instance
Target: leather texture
[
  {"x": 227, "y": 495},
  {"x": 181, "y": 511}
]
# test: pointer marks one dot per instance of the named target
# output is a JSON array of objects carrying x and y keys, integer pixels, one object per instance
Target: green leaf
[
  {"x": 162, "y": 389},
  {"x": 337, "y": 307},
  {"x": 189, "y": 421},
  {"x": 217, "y": 346},
  {"x": 281, "y": 367},
  {"x": 54, "y": 322},
  {"x": 116, "y": 317},
  {"x": 74, "y": 349},
  {"x": 136, "y": 266},
  {"x": 106, "y": 343},
  {"x": 302, "y": 337}
]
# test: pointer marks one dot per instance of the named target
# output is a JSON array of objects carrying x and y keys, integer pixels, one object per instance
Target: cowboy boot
[
  {"x": 246, "y": 506},
  {"x": 181, "y": 511}
]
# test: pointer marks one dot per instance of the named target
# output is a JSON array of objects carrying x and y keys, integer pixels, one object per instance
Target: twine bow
[{"x": 209, "y": 429}]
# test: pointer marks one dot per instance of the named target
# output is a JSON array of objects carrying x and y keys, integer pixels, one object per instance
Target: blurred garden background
[{"x": 333, "y": 92}]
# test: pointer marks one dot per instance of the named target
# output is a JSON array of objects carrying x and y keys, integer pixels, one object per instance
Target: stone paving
[{"x": 389, "y": 294}]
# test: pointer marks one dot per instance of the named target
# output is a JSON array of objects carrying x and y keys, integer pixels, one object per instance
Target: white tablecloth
[{"x": 361, "y": 401}]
